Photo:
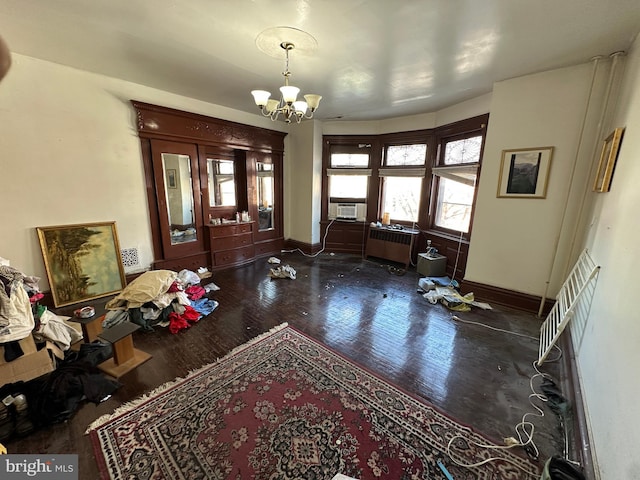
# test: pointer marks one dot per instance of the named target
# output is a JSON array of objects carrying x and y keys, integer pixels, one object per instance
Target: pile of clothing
[
  {"x": 21, "y": 315},
  {"x": 160, "y": 298},
  {"x": 16, "y": 316},
  {"x": 54, "y": 397}
]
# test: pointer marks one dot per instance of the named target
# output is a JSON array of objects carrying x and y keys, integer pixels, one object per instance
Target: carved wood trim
[{"x": 162, "y": 122}]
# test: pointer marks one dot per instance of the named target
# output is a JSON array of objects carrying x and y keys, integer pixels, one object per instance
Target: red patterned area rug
[{"x": 284, "y": 406}]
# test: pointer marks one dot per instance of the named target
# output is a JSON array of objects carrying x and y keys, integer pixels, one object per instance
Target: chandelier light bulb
[
  {"x": 272, "y": 106},
  {"x": 261, "y": 97},
  {"x": 289, "y": 93},
  {"x": 300, "y": 107},
  {"x": 313, "y": 101}
]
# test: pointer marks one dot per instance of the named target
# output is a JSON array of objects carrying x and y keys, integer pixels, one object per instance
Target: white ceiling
[{"x": 375, "y": 59}]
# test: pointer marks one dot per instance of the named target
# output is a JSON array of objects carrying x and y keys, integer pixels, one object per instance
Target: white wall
[
  {"x": 608, "y": 350},
  {"x": 513, "y": 239},
  {"x": 470, "y": 108},
  {"x": 301, "y": 191},
  {"x": 69, "y": 153}
]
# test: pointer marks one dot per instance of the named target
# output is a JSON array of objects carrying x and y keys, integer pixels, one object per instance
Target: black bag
[{"x": 558, "y": 468}]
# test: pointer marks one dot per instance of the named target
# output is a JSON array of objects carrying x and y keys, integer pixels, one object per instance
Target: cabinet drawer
[
  {"x": 231, "y": 257},
  {"x": 227, "y": 230},
  {"x": 235, "y": 241}
]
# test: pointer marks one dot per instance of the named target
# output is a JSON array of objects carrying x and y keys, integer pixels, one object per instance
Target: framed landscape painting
[
  {"x": 82, "y": 261},
  {"x": 524, "y": 172}
]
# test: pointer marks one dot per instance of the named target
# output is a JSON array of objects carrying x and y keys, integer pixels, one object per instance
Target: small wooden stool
[
  {"x": 91, "y": 327},
  {"x": 125, "y": 356}
]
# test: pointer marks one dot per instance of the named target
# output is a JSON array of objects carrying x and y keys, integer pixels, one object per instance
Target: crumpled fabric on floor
[
  {"x": 187, "y": 277},
  {"x": 59, "y": 394},
  {"x": 211, "y": 287},
  {"x": 178, "y": 322},
  {"x": 204, "y": 305},
  {"x": 143, "y": 289},
  {"x": 114, "y": 317},
  {"x": 195, "y": 292},
  {"x": 54, "y": 329},
  {"x": 284, "y": 271},
  {"x": 190, "y": 314}
]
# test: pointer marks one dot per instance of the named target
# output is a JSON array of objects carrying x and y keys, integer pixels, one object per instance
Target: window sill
[{"x": 446, "y": 236}]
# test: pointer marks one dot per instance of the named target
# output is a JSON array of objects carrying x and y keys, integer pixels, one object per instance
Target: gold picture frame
[
  {"x": 608, "y": 159},
  {"x": 82, "y": 261},
  {"x": 524, "y": 172}
]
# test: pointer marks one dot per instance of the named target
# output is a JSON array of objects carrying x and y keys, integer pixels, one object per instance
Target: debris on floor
[
  {"x": 203, "y": 272},
  {"x": 443, "y": 290},
  {"x": 274, "y": 260},
  {"x": 211, "y": 287},
  {"x": 284, "y": 271}
]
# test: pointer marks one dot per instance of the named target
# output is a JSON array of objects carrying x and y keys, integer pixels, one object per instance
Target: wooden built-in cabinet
[
  {"x": 231, "y": 244},
  {"x": 200, "y": 171}
]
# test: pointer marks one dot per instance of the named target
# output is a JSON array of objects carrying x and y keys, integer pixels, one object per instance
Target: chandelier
[{"x": 288, "y": 106}]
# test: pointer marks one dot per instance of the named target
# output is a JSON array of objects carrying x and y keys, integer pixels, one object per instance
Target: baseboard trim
[
  {"x": 308, "y": 248},
  {"x": 505, "y": 297},
  {"x": 570, "y": 384}
]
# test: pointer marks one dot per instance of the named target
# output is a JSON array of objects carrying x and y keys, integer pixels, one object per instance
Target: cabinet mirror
[
  {"x": 265, "y": 176},
  {"x": 222, "y": 184},
  {"x": 179, "y": 197}
]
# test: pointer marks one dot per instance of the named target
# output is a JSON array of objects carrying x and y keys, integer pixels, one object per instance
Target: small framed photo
[
  {"x": 524, "y": 172},
  {"x": 607, "y": 163},
  {"x": 171, "y": 178}
]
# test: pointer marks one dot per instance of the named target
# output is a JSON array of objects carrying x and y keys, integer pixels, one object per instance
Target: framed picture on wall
[
  {"x": 524, "y": 172},
  {"x": 171, "y": 178},
  {"x": 607, "y": 163},
  {"x": 82, "y": 261}
]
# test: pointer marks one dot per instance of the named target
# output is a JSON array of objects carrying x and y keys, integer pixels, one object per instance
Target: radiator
[
  {"x": 394, "y": 245},
  {"x": 390, "y": 236},
  {"x": 567, "y": 299}
]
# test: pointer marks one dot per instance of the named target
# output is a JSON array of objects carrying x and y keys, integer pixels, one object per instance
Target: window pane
[
  {"x": 349, "y": 160},
  {"x": 348, "y": 186},
  {"x": 454, "y": 205},
  {"x": 466, "y": 150},
  {"x": 402, "y": 198},
  {"x": 403, "y": 155}
]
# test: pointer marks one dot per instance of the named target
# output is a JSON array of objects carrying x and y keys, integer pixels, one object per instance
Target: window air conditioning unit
[{"x": 347, "y": 211}]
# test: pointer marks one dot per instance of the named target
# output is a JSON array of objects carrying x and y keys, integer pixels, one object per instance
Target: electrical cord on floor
[
  {"x": 525, "y": 429},
  {"x": 324, "y": 244},
  {"x": 395, "y": 270}
]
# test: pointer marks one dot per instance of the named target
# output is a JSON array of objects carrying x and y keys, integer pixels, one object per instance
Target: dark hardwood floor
[{"x": 478, "y": 376}]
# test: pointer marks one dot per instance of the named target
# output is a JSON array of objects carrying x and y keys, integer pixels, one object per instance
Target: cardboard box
[{"x": 32, "y": 364}]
